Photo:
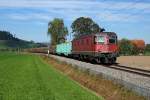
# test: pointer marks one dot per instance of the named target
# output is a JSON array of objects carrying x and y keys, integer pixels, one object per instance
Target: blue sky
[{"x": 28, "y": 19}]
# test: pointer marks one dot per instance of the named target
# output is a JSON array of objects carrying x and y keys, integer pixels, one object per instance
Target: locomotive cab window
[
  {"x": 112, "y": 40},
  {"x": 99, "y": 39}
]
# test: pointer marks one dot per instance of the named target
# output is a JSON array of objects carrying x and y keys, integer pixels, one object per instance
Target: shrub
[{"x": 126, "y": 47}]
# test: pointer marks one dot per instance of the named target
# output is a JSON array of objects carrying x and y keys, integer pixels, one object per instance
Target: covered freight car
[{"x": 64, "y": 49}]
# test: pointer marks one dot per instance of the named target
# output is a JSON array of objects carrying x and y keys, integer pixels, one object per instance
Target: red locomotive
[{"x": 101, "y": 47}]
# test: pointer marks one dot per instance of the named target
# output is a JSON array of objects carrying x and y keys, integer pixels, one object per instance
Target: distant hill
[{"x": 8, "y": 41}]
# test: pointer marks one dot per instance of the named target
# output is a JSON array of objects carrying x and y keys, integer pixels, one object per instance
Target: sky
[{"x": 28, "y": 19}]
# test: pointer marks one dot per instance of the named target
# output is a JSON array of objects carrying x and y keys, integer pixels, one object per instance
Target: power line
[
  {"x": 135, "y": 12},
  {"x": 129, "y": 7}
]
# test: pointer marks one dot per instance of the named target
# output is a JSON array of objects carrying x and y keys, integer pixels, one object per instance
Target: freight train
[{"x": 100, "y": 48}]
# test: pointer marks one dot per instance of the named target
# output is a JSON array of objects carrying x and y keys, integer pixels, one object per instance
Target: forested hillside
[{"x": 9, "y": 41}]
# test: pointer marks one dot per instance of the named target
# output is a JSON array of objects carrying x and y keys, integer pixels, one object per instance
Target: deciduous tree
[
  {"x": 82, "y": 26},
  {"x": 57, "y": 31},
  {"x": 126, "y": 47}
]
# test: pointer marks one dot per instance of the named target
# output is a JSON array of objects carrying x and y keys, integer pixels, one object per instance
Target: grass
[
  {"x": 3, "y": 45},
  {"x": 147, "y": 53},
  {"x": 106, "y": 88},
  {"x": 28, "y": 77}
]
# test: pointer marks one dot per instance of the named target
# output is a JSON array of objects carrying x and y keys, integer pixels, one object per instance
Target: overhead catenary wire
[{"x": 129, "y": 7}]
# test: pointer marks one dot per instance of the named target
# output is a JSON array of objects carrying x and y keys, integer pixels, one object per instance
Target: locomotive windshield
[
  {"x": 112, "y": 39},
  {"x": 100, "y": 39}
]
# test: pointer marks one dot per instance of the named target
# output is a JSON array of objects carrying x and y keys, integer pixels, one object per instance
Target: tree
[
  {"x": 126, "y": 47},
  {"x": 5, "y": 35},
  {"x": 57, "y": 31},
  {"x": 84, "y": 25},
  {"x": 147, "y": 48},
  {"x": 139, "y": 45}
]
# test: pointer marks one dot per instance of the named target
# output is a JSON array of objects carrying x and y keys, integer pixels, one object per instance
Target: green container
[{"x": 64, "y": 48}]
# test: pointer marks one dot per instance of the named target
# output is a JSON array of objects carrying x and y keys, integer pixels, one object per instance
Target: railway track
[{"x": 130, "y": 69}]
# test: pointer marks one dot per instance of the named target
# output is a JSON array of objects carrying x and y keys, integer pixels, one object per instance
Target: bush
[
  {"x": 147, "y": 49},
  {"x": 128, "y": 48}
]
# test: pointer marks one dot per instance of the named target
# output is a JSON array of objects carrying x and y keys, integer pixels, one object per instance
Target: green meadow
[{"x": 28, "y": 77}]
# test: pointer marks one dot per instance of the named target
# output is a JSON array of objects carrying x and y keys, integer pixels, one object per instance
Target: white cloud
[
  {"x": 71, "y": 9},
  {"x": 33, "y": 16},
  {"x": 74, "y": 4},
  {"x": 120, "y": 17}
]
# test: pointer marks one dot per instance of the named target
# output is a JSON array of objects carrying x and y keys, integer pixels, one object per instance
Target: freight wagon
[{"x": 64, "y": 49}]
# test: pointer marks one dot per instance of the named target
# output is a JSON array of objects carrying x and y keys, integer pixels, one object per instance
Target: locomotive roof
[
  {"x": 108, "y": 33},
  {"x": 104, "y": 33}
]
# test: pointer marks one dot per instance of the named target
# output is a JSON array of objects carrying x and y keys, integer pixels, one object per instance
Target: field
[
  {"x": 142, "y": 62},
  {"x": 28, "y": 77}
]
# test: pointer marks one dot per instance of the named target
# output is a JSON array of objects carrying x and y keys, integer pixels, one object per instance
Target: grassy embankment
[
  {"x": 106, "y": 88},
  {"x": 28, "y": 77}
]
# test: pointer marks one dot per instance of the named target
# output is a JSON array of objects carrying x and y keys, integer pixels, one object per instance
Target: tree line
[
  {"x": 131, "y": 47},
  {"x": 8, "y": 42},
  {"x": 5, "y": 35}
]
